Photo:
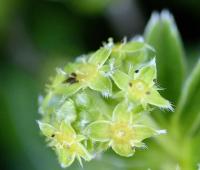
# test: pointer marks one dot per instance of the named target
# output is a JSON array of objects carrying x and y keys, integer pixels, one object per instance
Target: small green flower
[
  {"x": 88, "y": 73},
  {"x": 65, "y": 142},
  {"x": 134, "y": 53},
  {"x": 139, "y": 86},
  {"x": 121, "y": 133}
]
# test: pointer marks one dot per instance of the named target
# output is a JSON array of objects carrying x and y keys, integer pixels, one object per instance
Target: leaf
[
  {"x": 162, "y": 33},
  {"x": 188, "y": 109},
  {"x": 99, "y": 131}
]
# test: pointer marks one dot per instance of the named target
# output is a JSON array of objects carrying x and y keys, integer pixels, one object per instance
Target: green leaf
[
  {"x": 162, "y": 33},
  {"x": 99, "y": 131},
  {"x": 188, "y": 109},
  {"x": 100, "y": 57},
  {"x": 124, "y": 149}
]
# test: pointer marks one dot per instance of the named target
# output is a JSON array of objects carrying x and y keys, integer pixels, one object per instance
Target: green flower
[
  {"x": 121, "y": 133},
  {"x": 139, "y": 86},
  {"x": 87, "y": 73},
  {"x": 133, "y": 52},
  {"x": 65, "y": 142}
]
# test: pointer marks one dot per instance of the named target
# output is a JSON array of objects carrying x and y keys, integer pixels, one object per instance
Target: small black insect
[
  {"x": 71, "y": 79},
  {"x": 136, "y": 71},
  {"x": 130, "y": 84},
  {"x": 53, "y": 135},
  {"x": 73, "y": 74}
]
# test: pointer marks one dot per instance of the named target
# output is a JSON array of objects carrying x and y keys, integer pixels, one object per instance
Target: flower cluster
[{"x": 102, "y": 100}]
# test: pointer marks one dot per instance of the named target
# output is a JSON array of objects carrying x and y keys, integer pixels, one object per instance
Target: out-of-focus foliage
[
  {"x": 162, "y": 34},
  {"x": 89, "y": 7},
  {"x": 38, "y": 35}
]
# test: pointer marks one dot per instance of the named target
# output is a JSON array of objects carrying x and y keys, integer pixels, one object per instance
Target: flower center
[
  {"x": 87, "y": 72},
  {"x": 63, "y": 138},
  {"x": 121, "y": 132},
  {"x": 137, "y": 89}
]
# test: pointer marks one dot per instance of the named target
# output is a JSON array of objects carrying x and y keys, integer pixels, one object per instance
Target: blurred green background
[{"x": 36, "y": 36}]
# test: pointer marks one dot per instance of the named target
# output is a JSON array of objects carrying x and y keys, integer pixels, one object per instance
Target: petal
[
  {"x": 123, "y": 149},
  {"x": 121, "y": 113},
  {"x": 50, "y": 103},
  {"x": 79, "y": 138},
  {"x": 72, "y": 67},
  {"x": 60, "y": 76},
  {"x": 100, "y": 56},
  {"x": 99, "y": 131},
  {"x": 119, "y": 94},
  {"x": 67, "y": 129},
  {"x": 132, "y": 47},
  {"x": 147, "y": 73},
  {"x": 68, "y": 89},
  {"x": 121, "y": 79},
  {"x": 142, "y": 132},
  {"x": 47, "y": 129},
  {"x": 82, "y": 99},
  {"x": 64, "y": 157},
  {"x": 67, "y": 111},
  {"x": 82, "y": 152},
  {"x": 156, "y": 99},
  {"x": 102, "y": 84}
]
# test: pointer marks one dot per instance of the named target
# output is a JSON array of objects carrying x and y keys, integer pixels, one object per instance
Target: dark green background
[{"x": 38, "y": 35}]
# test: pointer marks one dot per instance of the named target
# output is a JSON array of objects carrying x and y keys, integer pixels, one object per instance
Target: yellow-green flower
[
  {"x": 133, "y": 52},
  {"x": 65, "y": 142},
  {"x": 87, "y": 73},
  {"x": 121, "y": 132},
  {"x": 139, "y": 86}
]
